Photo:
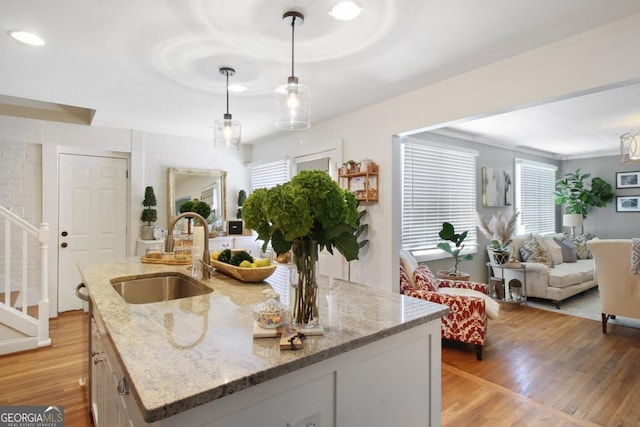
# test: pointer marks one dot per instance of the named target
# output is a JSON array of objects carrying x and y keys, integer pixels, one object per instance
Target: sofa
[
  {"x": 558, "y": 266},
  {"x": 617, "y": 264},
  {"x": 469, "y": 304}
]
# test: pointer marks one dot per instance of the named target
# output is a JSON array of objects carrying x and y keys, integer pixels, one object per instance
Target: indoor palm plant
[
  {"x": 499, "y": 230},
  {"x": 305, "y": 215}
]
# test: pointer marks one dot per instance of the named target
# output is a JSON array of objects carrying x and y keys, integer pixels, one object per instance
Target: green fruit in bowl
[
  {"x": 263, "y": 262},
  {"x": 245, "y": 264}
]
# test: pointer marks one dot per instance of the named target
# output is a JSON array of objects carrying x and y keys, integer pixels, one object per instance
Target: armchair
[
  {"x": 467, "y": 301},
  {"x": 619, "y": 289}
]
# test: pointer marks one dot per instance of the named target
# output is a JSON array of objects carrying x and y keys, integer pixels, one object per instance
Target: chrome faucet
[{"x": 206, "y": 257}]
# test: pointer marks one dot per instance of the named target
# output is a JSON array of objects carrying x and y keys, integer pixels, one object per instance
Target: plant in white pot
[
  {"x": 499, "y": 230},
  {"x": 448, "y": 233}
]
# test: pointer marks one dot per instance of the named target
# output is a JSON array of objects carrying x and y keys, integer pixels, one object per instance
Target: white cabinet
[
  {"x": 111, "y": 402},
  {"x": 97, "y": 375},
  {"x": 220, "y": 243},
  {"x": 248, "y": 243}
]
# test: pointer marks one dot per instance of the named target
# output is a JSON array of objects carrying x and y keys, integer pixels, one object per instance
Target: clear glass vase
[{"x": 303, "y": 295}]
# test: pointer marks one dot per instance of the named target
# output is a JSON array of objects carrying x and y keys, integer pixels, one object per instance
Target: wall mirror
[{"x": 206, "y": 185}]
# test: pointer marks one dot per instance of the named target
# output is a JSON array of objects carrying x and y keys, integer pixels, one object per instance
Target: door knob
[{"x": 64, "y": 245}]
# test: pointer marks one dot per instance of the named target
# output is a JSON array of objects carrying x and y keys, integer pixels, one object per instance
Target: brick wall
[{"x": 21, "y": 193}]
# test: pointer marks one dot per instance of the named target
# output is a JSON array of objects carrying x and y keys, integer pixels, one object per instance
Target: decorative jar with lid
[{"x": 271, "y": 313}]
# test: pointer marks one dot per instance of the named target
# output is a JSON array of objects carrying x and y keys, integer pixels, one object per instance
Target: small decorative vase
[
  {"x": 501, "y": 257},
  {"x": 303, "y": 294}
]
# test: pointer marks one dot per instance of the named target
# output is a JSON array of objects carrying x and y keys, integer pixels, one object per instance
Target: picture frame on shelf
[
  {"x": 628, "y": 179},
  {"x": 628, "y": 203},
  {"x": 497, "y": 188}
]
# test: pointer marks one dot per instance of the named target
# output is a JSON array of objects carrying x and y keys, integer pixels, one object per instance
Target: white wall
[
  {"x": 586, "y": 62},
  {"x": 606, "y": 222},
  {"x": 150, "y": 155}
]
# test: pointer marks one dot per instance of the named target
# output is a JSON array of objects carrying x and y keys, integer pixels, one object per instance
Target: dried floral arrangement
[{"x": 499, "y": 230}]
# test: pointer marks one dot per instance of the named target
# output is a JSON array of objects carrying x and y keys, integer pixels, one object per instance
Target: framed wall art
[
  {"x": 627, "y": 203},
  {"x": 628, "y": 179},
  {"x": 497, "y": 188}
]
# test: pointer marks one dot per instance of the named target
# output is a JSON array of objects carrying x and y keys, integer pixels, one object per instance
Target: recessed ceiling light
[
  {"x": 237, "y": 88},
  {"x": 26, "y": 37},
  {"x": 346, "y": 11}
]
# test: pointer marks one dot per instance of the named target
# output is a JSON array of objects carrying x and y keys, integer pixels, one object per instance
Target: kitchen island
[{"x": 194, "y": 361}]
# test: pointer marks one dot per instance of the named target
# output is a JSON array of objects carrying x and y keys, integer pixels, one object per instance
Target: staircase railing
[{"x": 35, "y": 330}]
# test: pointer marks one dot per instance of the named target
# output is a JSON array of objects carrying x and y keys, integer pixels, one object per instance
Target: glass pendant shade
[
  {"x": 630, "y": 148},
  {"x": 293, "y": 106},
  {"x": 293, "y": 109},
  {"x": 227, "y": 133}
]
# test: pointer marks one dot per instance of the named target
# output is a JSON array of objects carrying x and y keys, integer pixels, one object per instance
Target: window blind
[
  {"x": 438, "y": 185},
  {"x": 267, "y": 175},
  {"x": 535, "y": 184}
]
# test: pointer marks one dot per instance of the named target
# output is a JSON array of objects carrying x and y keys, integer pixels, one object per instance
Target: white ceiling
[
  {"x": 584, "y": 126},
  {"x": 152, "y": 65}
]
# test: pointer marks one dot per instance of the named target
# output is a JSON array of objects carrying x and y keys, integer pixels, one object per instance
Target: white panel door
[{"x": 92, "y": 218}]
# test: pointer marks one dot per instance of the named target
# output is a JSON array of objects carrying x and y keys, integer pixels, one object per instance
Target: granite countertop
[{"x": 184, "y": 353}]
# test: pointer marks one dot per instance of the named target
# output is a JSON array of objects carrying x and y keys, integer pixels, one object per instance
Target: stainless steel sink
[{"x": 159, "y": 288}]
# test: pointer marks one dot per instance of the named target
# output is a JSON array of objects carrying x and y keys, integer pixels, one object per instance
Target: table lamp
[{"x": 573, "y": 221}]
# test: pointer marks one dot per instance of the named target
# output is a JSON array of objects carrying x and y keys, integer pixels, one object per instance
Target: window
[
  {"x": 535, "y": 184},
  {"x": 317, "y": 164},
  {"x": 267, "y": 175},
  {"x": 438, "y": 185}
]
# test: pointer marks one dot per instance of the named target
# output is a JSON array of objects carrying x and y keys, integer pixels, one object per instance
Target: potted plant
[
  {"x": 448, "y": 233},
  {"x": 515, "y": 287},
  {"x": 499, "y": 230},
  {"x": 579, "y": 195},
  {"x": 242, "y": 196},
  {"x": 305, "y": 215},
  {"x": 197, "y": 206},
  {"x": 149, "y": 215},
  {"x": 360, "y": 228},
  {"x": 351, "y": 166}
]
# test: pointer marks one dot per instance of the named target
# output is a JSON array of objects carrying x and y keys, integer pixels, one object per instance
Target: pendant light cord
[
  {"x": 293, "y": 29},
  {"x": 227, "y": 74}
]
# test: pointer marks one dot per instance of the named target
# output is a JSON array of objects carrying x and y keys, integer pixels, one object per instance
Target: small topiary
[
  {"x": 149, "y": 215},
  {"x": 201, "y": 208}
]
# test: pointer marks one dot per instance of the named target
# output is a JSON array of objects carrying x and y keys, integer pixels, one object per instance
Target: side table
[{"x": 508, "y": 297}]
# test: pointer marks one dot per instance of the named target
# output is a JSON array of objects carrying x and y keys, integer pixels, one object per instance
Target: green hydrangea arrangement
[{"x": 311, "y": 206}]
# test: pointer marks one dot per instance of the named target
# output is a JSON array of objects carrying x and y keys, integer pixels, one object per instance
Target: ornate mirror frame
[{"x": 218, "y": 179}]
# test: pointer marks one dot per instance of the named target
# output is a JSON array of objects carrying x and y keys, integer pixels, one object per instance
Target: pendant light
[
  {"x": 227, "y": 130},
  {"x": 293, "y": 109},
  {"x": 630, "y": 148}
]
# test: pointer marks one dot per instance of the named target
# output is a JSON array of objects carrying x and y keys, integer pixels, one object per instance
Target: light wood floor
[
  {"x": 543, "y": 368},
  {"x": 50, "y": 375},
  {"x": 540, "y": 368}
]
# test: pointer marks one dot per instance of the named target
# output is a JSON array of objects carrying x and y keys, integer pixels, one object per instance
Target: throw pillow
[
  {"x": 405, "y": 283},
  {"x": 409, "y": 263},
  {"x": 568, "y": 250},
  {"x": 580, "y": 243},
  {"x": 424, "y": 279},
  {"x": 532, "y": 251},
  {"x": 554, "y": 250}
]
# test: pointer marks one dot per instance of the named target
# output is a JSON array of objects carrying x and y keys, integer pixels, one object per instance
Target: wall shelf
[{"x": 363, "y": 183}]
